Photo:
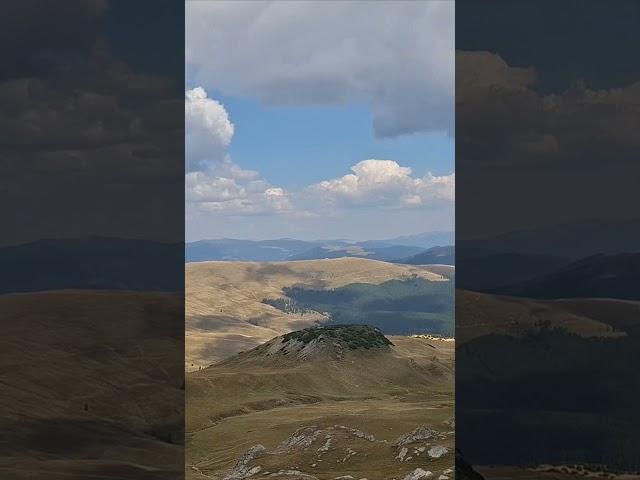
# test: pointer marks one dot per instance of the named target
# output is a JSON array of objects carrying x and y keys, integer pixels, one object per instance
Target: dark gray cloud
[
  {"x": 91, "y": 144},
  {"x": 525, "y": 157},
  {"x": 396, "y": 57}
]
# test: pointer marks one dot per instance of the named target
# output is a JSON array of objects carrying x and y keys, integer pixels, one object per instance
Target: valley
[{"x": 226, "y": 310}]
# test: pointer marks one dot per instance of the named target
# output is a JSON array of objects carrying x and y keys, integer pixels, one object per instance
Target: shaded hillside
[
  {"x": 481, "y": 314},
  {"x": 464, "y": 471},
  {"x": 91, "y": 263},
  {"x": 572, "y": 240},
  {"x": 434, "y": 256},
  {"x": 93, "y": 388},
  {"x": 484, "y": 270},
  {"x": 226, "y": 309},
  {"x": 555, "y": 401},
  {"x": 564, "y": 388},
  {"x": 397, "y": 307},
  {"x": 604, "y": 276}
]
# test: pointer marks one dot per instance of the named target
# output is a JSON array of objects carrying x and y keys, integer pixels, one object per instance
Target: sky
[
  {"x": 91, "y": 119},
  {"x": 547, "y": 123},
  {"x": 319, "y": 120}
]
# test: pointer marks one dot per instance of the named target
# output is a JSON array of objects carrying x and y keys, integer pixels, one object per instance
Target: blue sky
[
  {"x": 314, "y": 126},
  {"x": 295, "y": 146}
]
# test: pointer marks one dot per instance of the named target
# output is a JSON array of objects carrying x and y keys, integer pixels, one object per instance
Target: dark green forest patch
[{"x": 396, "y": 307}]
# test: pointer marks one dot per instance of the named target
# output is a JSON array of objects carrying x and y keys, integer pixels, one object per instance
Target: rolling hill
[
  {"x": 547, "y": 379},
  {"x": 482, "y": 314},
  {"x": 324, "y": 402},
  {"x": 234, "y": 306},
  {"x": 93, "y": 389}
]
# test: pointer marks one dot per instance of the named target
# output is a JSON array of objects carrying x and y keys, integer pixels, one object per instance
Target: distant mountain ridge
[
  {"x": 383, "y": 253},
  {"x": 425, "y": 240},
  {"x": 445, "y": 255},
  {"x": 488, "y": 271},
  {"x": 572, "y": 240},
  {"x": 92, "y": 263},
  {"x": 286, "y": 249},
  {"x": 537, "y": 262},
  {"x": 597, "y": 276},
  {"x": 248, "y": 250}
]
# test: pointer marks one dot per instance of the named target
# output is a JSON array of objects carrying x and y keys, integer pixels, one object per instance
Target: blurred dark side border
[
  {"x": 548, "y": 238},
  {"x": 92, "y": 242}
]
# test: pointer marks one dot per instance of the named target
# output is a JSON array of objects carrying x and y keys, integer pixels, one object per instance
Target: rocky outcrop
[
  {"x": 418, "y": 474},
  {"x": 291, "y": 475},
  {"x": 356, "y": 433},
  {"x": 300, "y": 439},
  {"x": 419, "y": 434},
  {"x": 242, "y": 468}
]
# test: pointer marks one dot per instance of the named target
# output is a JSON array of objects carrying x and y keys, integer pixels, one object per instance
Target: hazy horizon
[{"x": 324, "y": 239}]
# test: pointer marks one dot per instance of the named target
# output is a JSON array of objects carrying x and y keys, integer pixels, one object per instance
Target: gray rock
[
  {"x": 420, "y": 433},
  {"x": 356, "y": 433},
  {"x": 437, "y": 451},
  {"x": 326, "y": 446},
  {"x": 242, "y": 470},
  {"x": 402, "y": 453},
  {"x": 293, "y": 474},
  {"x": 418, "y": 474},
  {"x": 300, "y": 439}
]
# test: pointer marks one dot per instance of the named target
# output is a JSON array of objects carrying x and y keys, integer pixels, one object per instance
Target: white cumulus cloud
[
  {"x": 208, "y": 129},
  {"x": 384, "y": 183},
  {"x": 214, "y": 184}
]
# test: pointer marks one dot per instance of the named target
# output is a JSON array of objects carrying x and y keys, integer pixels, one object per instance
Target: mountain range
[
  {"x": 547, "y": 353},
  {"x": 97, "y": 263},
  {"x": 445, "y": 255},
  {"x": 581, "y": 259},
  {"x": 597, "y": 276},
  {"x": 286, "y": 249},
  {"x": 572, "y": 241}
]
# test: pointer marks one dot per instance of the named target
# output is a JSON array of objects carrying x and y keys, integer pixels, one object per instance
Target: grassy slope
[
  {"x": 237, "y": 404},
  {"x": 224, "y": 309},
  {"x": 562, "y": 396},
  {"x": 479, "y": 314},
  {"x": 117, "y": 352}
]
